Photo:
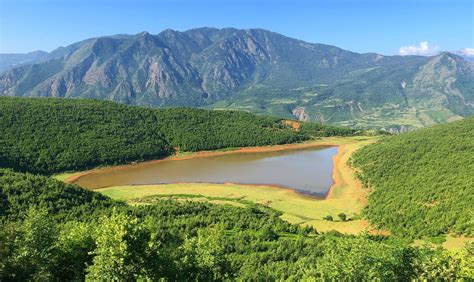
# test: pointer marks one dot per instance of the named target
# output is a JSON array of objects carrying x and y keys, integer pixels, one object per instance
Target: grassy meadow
[{"x": 346, "y": 196}]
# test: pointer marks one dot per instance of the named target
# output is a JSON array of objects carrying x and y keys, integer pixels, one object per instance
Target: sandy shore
[
  {"x": 346, "y": 195},
  {"x": 342, "y": 179}
]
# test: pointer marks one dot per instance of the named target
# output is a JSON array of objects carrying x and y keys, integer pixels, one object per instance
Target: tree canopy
[
  {"x": 56, "y": 135},
  {"x": 45, "y": 238},
  {"x": 422, "y": 182}
]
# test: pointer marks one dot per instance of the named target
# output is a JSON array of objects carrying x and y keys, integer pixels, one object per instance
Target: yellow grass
[
  {"x": 64, "y": 176},
  {"x": 453, "y": 243},
  {"x": 347, "y": 195}
]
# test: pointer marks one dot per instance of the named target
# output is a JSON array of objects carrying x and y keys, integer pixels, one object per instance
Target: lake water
[{"x": 306, "y": 170}]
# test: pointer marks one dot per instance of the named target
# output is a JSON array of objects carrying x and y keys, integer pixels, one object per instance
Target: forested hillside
[
  {"x": 50, "y": 135},
  {"x": 194, "y": 130},
  {"x": 422, "y": 182},
  {"x": 46, "y": 235},
  {"x": 54, "y": 135}
]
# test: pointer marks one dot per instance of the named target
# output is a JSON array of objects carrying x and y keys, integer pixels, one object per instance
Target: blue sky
[{"x": 416, "y": 26}]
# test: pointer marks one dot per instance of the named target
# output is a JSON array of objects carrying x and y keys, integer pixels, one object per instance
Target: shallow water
[{"x": 306, "y": 170}]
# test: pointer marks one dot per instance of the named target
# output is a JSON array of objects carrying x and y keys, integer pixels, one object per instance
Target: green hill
[
  {"x": 422, "y": 182},
  {"x": 21, "y": 191},
  {"x": 51, "y": 231},
  {"x": 54, "y": 135}
]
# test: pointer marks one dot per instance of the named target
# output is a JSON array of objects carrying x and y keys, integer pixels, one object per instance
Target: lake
[{"x": 307, "y": 170}]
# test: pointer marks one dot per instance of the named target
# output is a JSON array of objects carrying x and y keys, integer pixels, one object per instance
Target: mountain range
[{"x": 253, "y": 70}]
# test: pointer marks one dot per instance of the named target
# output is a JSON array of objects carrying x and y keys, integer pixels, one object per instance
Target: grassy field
[
  {"x": 64, "y": 176},
  {"x": 346, "y": 196}
]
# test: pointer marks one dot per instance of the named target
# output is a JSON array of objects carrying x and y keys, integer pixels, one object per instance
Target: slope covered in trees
[
  {"x": 51, "y": 135},
  {"x": 20, "y": 191},
  {"x": 188, "y": 241},
  {"x": 422, "y": 181},
  {"x": 54, "y": 135}
]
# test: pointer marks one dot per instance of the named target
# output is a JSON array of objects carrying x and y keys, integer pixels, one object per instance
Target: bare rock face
[
  {"x": 399, "y": 129},
  {"x": 300, "y": 114}
]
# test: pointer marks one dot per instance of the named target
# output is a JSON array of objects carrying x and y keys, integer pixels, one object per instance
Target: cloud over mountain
[
  {"x": 468, "y": 52},
  {"x": 423, "y": 49}
]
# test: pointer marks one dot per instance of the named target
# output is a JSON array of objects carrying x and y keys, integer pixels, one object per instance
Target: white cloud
[
  {"x": 423, "y": 49},
  {"x": 468, "y": 52}
]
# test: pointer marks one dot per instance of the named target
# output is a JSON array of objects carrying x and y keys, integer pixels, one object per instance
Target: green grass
[
  {"x": 153, "y": 199},
  {"x": 296, "y": 208},
  {"x": 346, "y": 197},
  {"x": 63, "y": 176}
]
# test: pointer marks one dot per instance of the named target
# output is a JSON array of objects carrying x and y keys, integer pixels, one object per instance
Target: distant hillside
[
  {"x": 53, "y": 135},
  {"x": 254, "y": 70},
  {"x": 422, "y": 181},
  {"x": 10, "y": 61}
]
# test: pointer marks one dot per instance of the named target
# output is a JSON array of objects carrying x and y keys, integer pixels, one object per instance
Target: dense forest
[
  {"x": 55, "y": 135},
  {"x": 422, "y": 182},
  {"x": 59, "y": 232},
  {"x": 52, "y": 135}
]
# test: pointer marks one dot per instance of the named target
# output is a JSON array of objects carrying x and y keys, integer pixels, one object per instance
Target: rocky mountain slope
[
  {"x": 10, "y": 61},
  {"x": 254, "y": 70}
]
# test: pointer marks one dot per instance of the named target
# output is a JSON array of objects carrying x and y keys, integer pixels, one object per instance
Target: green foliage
[
  {"x": 205, "y": 254},
  {"x": 177, "y": 240},
  {"x": 74, "y": 250},
  {"x": 342, "y": 216},
  {"x": 23, "y": 190},
  {"x": 436, "y": 264},
  {"x": 362, "y": 259},
  {"x": 35, "y": 248},
  {"x": 54, "y": 135},
  {"x": 328, "y": 218},
  {"x": 197, "y": 130},
  {"x": 422, "y": 182},
  {"x": 320, "y": 130},
  {"x": 123, "y": 250}
]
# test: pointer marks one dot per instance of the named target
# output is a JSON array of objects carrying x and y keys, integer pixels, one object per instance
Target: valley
[
  {"x": 169, "y": 228},
  {"x": 236, "y": 140},
  {"x": 345, "y": 194}
]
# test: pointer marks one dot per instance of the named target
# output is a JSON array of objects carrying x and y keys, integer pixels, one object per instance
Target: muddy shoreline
[{"x": 274, "y": 148}]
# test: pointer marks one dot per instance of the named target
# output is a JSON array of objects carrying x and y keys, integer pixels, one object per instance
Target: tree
[
  {"x": 35, "y": 248},
  {"x": 342, "y": 216},
  {"x": 75, "y": 246},
  {"x": 122, "y": 249},
  {"x": 328, "y": 218},
  {"x": 204, "y": 255},
  {"x": 267, "y": 234}
]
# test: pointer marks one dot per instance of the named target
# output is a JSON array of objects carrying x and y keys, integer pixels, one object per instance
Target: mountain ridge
[{"x": 254, "y": 70}]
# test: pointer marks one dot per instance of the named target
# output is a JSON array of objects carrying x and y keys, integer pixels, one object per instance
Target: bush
[{"x": 328, "y": 218}]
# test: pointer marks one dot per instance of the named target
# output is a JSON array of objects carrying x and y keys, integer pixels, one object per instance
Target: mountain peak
[
  {"x": 256, "y": 70},
  {"x": 144, "y": 33}
]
